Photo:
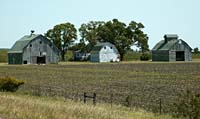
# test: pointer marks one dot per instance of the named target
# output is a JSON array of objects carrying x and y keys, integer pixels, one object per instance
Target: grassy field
[
  {"x": 144, "y": 83},
  {"x": 17, "y": 106}
]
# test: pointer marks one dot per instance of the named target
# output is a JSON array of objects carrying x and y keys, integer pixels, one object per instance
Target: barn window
[
  {"x": 25, "y": 62},
  {"x": 50, "y": 45},
  {"x": 40, "y": 42},
  {"x": 30, "y": 45}
]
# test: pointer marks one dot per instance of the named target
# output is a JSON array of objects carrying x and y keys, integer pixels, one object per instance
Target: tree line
[{"x": 123, "y": 36}]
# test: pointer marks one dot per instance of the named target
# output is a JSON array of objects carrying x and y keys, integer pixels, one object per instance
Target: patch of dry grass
[{"x": 17, "y": 106}]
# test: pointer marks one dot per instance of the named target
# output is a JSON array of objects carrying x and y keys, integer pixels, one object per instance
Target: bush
[
  {"x": 10, "y": 84},
  {"x": 145, "y": 57},
  {"x": 188, "y": 106}
]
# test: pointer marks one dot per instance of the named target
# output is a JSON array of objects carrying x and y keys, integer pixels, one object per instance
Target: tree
[
  {"x": 196, "y": 50},
  {"x": 62, "y": 35},
  {"x": 122, "y": 36},
  {"x": 115, "y": 32},
  {"x": 140, "y": 38},
  {"x": 89, "y": 33}
]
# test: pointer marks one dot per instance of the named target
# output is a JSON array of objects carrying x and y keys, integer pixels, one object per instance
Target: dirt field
[{"x": 144, "y": 83}]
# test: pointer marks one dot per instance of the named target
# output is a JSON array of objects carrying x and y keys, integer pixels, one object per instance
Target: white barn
[{"x": 104, "y": 52}]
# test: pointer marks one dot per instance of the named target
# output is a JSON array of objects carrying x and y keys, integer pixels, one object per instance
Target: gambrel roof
[
  {"x": 169, "y": 42},
  {"x": 19, "y": 45}
]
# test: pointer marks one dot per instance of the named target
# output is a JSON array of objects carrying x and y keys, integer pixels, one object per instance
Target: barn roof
[
  {"x": 99, "y": 46},
  {"x": 21, "y": 43},
  {"x": 169, "y": 42}
]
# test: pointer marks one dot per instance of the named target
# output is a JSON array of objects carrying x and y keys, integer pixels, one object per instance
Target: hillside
[{"x": 17, "y": 106}]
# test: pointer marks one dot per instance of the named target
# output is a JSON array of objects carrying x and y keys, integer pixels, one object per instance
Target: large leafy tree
[
  {"x": 62, "y": 35},
  {"x": 123, "y": 36},
  {"x": 89, "y": 34},
  {"x": 140, "y": 38}
]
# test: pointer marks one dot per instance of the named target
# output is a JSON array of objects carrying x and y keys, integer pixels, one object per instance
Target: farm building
[
  {"x": 171, "y": 49},
  {"x": 33, "y": 49},
  {"x": 81, "y": 56},
  {"x": 104, "y": 52}
]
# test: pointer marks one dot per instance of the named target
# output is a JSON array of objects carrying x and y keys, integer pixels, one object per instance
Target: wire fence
[{"x": 148, "y": 102}]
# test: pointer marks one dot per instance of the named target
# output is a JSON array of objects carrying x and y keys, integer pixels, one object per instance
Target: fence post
[
  {"x": 94, "y": 99},
  {"x": 111, "y": 99},
  {"x": 160, "y": 105},
  {"x": 128, "y": 100},
  {"x": 84, "y": 99}
]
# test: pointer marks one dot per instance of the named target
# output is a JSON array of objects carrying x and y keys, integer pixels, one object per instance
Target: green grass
[
  {"x": 196, "y": 56},
  {"x": 132, "y": 56},
  {"x": 17, "y": 106},
  {"x": 3, "y": 55},
  {"x": 146, "y": 82}
]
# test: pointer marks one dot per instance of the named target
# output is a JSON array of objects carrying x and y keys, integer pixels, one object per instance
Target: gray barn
[
  {"x": 171, "y": 49},
  {"x": 104, "y": 52},
  {"x": 33, "y": 49}
]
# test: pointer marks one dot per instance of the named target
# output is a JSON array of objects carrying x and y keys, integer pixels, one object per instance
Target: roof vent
[
  {"x": 170, "y": 36},
  {"x": 32, "y": 31}
]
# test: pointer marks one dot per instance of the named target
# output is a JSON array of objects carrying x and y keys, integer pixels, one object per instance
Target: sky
[{"x": 182, "y": 17}]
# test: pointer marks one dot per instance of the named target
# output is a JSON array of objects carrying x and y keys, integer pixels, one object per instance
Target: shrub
[
  {"x": 144, "y": 57},
  {"x": 188, "y": 106},
  {"x": 10, "y": 84}
]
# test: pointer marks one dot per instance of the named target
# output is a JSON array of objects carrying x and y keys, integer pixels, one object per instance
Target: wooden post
[
  {"x": 94, "y": 99},
  {"x": 160, "y": 105},
  {"x": 91, "y": 97},
  {"x": 84, "y": 100},
  {"x": 128, "y": 101},
  {"x": 111, "y": 99}
]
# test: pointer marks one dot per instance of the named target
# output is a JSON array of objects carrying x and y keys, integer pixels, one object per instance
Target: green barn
[
  {"x": 33, "y": 49},
  {"x": 171, "y": 49}
]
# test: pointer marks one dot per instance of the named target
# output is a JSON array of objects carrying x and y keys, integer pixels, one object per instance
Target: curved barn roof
[
  {"x": 99, "y": 46},
  {"x": 23, "y": 42},
  {"x": 167, "y": 44}
]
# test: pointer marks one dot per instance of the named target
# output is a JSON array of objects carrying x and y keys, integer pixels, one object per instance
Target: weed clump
[
  {"x": 188, "y": 106},
  {"x": 10, "y": 84},
  {"x": 144, "y": 57}
]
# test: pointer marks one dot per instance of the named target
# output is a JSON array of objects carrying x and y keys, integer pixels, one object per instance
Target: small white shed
[{"x": 104, "y": 52}]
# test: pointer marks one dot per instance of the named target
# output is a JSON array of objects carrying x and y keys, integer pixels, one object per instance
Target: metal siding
[
  {"x": 31, "y": 53},
  {"x": 180, "y": 45},
  {"x": 188, "y": 55},
  {"x": 160, "y": 55},
  {"x": 14, "y": 58},
  {"x": 172, "y": 55},
  {"x": 95, "y": 57}
]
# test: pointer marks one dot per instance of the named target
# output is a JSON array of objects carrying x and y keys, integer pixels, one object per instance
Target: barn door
[
  {"x": 41, "y": 60},
  {"x": 180, "y": 56}
]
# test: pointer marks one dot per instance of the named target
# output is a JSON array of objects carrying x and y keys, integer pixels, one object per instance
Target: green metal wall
[
  {"x": 160, "y": 55},
  {"x": 15, "y": 58}
]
